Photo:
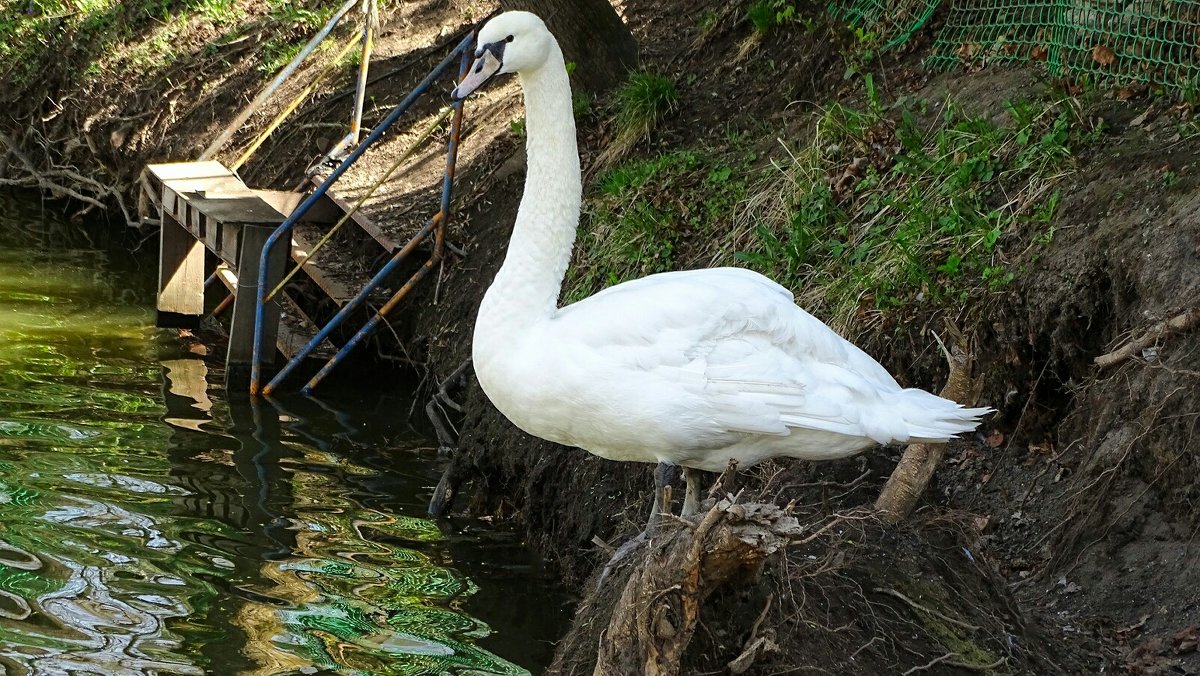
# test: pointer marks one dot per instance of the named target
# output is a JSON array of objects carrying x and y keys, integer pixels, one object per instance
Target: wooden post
[
  {"x": 241, "y": 331},
  {"x": 180, "y": 276}
]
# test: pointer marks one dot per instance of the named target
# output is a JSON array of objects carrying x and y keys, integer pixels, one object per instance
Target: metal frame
[{"x": 462, "y": 51}]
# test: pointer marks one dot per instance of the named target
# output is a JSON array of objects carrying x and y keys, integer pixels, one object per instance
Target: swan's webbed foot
[{"x": 623, "y": 551}]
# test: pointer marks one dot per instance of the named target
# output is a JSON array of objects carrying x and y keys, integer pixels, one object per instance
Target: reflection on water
[{"x": 148, "y": 524}]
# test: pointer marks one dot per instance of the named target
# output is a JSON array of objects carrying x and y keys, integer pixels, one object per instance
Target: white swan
[{"x": 691, "y": 368}]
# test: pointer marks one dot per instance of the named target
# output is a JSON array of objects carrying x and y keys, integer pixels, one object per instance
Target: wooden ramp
[{"x": 204, "y": 205}]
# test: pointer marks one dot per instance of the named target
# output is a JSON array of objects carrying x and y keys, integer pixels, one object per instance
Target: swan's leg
[
  {"x": 664, "y": 474},
  {"x": 691, "y": 499}
]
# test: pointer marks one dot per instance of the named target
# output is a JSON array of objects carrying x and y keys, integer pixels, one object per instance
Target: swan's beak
[{"x": 486, "y": 65}]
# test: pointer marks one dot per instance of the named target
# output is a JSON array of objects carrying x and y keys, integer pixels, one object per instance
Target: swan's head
[{"x": 513, "y": 42}]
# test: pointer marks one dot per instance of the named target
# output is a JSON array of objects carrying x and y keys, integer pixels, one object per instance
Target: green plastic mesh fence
[
  {"x": 1121, "y": 41},
  {"x": 891, "y": 23}
]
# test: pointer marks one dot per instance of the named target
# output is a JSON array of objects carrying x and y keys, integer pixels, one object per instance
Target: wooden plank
[
  {"x": 209, "y": 185},
  {"x": 323, "y": 211},
  {"x": 177, "y": 170},
  {"x": 296, "y": 329},
  {"x": 241, "y": 330},
  {"x": 361, "y": 219},
  {"x": 340, "y": 285},
  {"x": 247, "y": 209},
  {"x": 180, "y": 276}
]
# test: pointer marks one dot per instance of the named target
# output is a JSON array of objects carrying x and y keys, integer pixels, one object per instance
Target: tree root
[
  {"x": 1183, "y": 321},
  {"x": 447, "y": 488},
  {"x": 659, "y": 607},
  {"x": 916, "y": 467}
]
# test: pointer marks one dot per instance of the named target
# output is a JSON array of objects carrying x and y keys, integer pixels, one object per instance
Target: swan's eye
[{"x": 508, "y": 39}]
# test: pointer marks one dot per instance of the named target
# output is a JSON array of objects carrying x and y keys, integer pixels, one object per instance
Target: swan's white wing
[{"x": 738, "y": 349}]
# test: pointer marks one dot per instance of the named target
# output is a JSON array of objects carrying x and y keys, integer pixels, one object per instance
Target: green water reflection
[{"x": 148, "y": 524}]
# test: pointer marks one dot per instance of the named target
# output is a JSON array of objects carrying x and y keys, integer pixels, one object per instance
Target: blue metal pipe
[
  {"x": 351, "y": 306},
  {"x": 436, "y": 258},
  {"x": 286, "y": 226}
]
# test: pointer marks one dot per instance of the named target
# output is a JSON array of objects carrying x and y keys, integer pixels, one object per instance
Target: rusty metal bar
[
  {"x": 285, "y": 228},
  {"x": 434, "y": 260},
  {"x": 353, "y": 304}
]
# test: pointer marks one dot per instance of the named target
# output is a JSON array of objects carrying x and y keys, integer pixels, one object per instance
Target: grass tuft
[
  {"x": 645, "y": 99},
  {"x": 644, "y": 215}
]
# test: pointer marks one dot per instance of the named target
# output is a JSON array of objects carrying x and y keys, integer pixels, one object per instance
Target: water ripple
[{"x": 150, "y": 526}]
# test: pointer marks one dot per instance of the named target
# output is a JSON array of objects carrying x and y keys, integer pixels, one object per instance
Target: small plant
[
  {"x": 884, "y": 211},
  {"x": 767, "y": 15},
  {"x": 645, "y": 99},
  {"x": 762, "y": 16},
  {"x": 517, "y": 127}
]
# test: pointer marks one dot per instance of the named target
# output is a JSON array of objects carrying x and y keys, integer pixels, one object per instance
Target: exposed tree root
[
  {"x": 1183, "y": 321},
  {"x": 740, "y": 590},
  {"x": 659, "y": 608},
  {"x": 916, "y": 467}
]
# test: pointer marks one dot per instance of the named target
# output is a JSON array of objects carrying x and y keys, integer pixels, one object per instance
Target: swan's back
[{"x": 700, "y": 366}]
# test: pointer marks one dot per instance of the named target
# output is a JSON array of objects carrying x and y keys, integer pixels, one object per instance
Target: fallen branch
[{"x": 1182, "y": 322}]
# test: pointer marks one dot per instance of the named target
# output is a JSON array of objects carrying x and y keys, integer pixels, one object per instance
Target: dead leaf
[
  {"x": 1187, "y": 640},
  {"x": 1043, "y": 448},
  {"x": 967, "y": 50},
  {"x": 1129, "y": 91},
  {"x": 982, "y": 522},
  {"x": 1038, "y": 53},
  {"x": 994, "y": 439},
  {"x": 1103, "y": 55}
]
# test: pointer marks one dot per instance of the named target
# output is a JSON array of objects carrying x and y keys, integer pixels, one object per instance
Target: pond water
[{"x": 151, "y": 524}]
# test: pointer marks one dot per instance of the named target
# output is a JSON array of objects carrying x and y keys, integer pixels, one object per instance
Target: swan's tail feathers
[{"x": 932, "y": 419}]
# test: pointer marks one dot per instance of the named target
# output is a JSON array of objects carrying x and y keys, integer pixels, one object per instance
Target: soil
[{"x": 1059, "y": 540}]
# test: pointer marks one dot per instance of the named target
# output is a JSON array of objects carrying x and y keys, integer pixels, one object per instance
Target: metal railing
[{"x": 434, "y": 226}]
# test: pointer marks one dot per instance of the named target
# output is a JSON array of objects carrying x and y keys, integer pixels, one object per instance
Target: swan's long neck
[{"x": 527, "y": 287}]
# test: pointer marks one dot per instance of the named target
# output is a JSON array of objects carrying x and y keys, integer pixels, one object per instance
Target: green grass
[
  {"x": 884, "y": 211},
  {"x": 639, "y": 105},
  {"x": 767, "y": 15},
  {"x": 100, "y": 35},
  {"x": 643, "y": 213}
]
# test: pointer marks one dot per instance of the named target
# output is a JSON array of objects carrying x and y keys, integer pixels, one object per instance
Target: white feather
[{"x": 692, "y": 368}]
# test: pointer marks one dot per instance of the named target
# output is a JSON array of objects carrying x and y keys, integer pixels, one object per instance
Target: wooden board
[
  {"x": 248, "y": 209},
  {"x": 361, "y": 219},
  {"x": 340, "y": 285},
  {"x": 295, "y": 327}
]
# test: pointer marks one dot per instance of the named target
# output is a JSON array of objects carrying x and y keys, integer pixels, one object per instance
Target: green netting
[
  {"x": 892, "y": 23},
  {"x": 1122, "y": 41}
]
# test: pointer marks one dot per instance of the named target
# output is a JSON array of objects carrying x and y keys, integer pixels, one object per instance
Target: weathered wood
[
  {"x": 333, "y": 201},
  {"x": 915, "y": 470},
  {"x": 340, "y": 285},
  {"x": 180, "y": 276},
  {"x": 323, "y": 211},
  {"x": 241, "y": 331},
  {"x": 296, "y": 329}
]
